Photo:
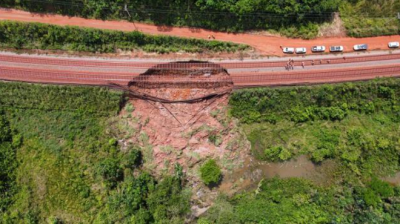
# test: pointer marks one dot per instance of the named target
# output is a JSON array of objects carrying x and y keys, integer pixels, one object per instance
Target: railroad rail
[
  {"x": 94, "y": 72},
  {"x": 84, "y": 62}
]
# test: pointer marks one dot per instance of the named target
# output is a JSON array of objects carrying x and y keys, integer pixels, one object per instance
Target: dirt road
[{"x": 269, "y": 45}]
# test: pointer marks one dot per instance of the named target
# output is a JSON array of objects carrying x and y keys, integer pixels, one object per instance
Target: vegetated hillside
[
  {"x": 365, "y": 18},
  {"x": 292, "y": 18},
  {"x": 50, "y": 37},
  {"x": 353, "y": 125},
  {"x": 60, "y": 164}
]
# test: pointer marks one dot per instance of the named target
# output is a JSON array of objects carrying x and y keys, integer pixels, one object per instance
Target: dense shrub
[
  {"x": 49, "y": 37},
  {"x": 8, "y": 164},
  {"x": 134, "y": 158},
  {"x": 370, "y": 18},
  {"x": 110, "y": 170},
  {"x": 382, "y": 188},
  {"x": 167, "y": 201},
  {"x": 85, "y": 100},
  {"x": 277, "y": 153},
  {"x": 326, "y": 102},
  {"x": 210, "y": 172},
  {"x": 5, "y": 131},
  {"x": 58, "y": 152},
  {"x": 299, "y": 201}
]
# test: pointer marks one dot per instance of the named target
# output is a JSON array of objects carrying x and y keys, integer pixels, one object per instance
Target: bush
[
  {"x": 215, "y": 139},
  {"x": 381, "y": 187},
  {"x": 320, "y": 154},
  {"x": 277, "y": 153},
  {"x": 210, "y": 172},
  {"x": 110, "y": 170},
  {"x": 134, "y": 158},
  {"x": 371, "y": 198}
]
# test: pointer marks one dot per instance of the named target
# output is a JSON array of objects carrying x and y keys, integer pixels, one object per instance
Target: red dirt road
[{"x": 266, "y": 44}]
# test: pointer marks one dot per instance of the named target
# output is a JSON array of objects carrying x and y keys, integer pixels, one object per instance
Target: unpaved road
[
  {"x": 269, "y": 45},
  {"x": 47, "y": 69}
]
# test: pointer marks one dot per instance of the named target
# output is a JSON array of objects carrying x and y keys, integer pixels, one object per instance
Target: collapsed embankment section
[{"x": 178, "y": 115}]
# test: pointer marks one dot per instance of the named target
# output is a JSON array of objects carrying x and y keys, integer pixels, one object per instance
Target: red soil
[{"x": 266, "y": 44}]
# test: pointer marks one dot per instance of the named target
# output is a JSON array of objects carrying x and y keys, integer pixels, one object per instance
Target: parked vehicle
[
  {"x": 336, "y": 48},
  {"x": 393, "y": 44},
  {"x": 318, "y": 49},
  {"x": 360, "y": 47},
  {"x": 301, "y": 50},
  {"x": 288, "y": 50}
]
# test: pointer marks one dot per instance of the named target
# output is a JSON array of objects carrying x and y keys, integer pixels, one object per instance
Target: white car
[
  {"x": 301, "y": 50},
  {"x": 318, "y": 49},
  {"x": 336, "y": 48},
  {"x": 393, "y": 44},
  {"x": 288, "y": 50},
  {"x": 360, "y": 47}
]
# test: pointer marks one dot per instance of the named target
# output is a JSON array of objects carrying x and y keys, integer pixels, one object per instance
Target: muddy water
[{"x": 253, "y": 171}]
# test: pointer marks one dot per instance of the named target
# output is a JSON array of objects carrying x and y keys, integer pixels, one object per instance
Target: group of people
[{"x": 289, "y": 65}]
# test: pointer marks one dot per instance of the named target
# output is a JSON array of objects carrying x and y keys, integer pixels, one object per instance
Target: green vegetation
[
  {"x": 60, "y": 164},
  {"x": 363, "y": 18},
  {"x": 299, "y": 201},
  {"x": 8, "y": 143},
  {"x": 354, "y": 123},
  {"x": 325, "y": 102},
  {"x": 49, "y": 37},
  {"x": 210, "y": 172},
  {"x": 291, "y": 18}
]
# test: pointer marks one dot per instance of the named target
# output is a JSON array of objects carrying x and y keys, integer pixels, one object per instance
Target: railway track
[
  {"x": 40, "y": 60},
  {"x": 80, "y": 71}
]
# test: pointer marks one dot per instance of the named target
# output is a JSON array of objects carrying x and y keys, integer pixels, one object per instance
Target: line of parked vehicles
[{"x": 319, "y": 49}]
